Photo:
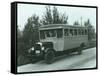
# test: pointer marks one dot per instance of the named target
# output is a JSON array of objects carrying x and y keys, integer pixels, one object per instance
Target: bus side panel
[{"x": 74, "y": 41}]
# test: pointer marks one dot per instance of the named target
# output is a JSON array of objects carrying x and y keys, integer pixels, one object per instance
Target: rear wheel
[
  {"x": 79, "y": 51},
  {"x": 80, "y": 48},
  {"x": 49, "y": 56}
]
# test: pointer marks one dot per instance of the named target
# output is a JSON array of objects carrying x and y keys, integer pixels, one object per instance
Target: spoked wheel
[{"x": 49, "y": 56}]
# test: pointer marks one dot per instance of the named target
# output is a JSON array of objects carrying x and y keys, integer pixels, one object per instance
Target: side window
[
  {"x": 82, "y": 31},
  {"x": 79, "y": 31},
  {"x": 59, "y": 33},
  {"x": 75, "y": 31},
  {"x": 85, "y": 31},
  {"x": 66, "y": 32},
  {"x": 71, "y": 32},
  {"x": 47, "y": 33},
  {"x": 53, "y": 33}
]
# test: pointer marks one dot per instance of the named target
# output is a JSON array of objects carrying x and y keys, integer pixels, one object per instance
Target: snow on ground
[{"x": 86, "y": 60}]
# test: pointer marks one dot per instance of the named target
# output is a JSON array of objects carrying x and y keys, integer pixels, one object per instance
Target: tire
[
  {"x": 79, "y": 51},
  {"x": 49, "y": 56},
  {"x": 81, "y": 48}
]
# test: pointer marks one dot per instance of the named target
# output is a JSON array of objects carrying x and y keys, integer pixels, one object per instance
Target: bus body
[
  {"x": 63, "y": 36},
  {"x": 59, "y": 38}
]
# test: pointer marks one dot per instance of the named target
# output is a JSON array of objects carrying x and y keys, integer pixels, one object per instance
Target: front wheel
[{"x": 49, "y": 56}]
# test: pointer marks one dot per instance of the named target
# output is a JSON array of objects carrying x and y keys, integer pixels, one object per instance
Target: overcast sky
[{"x": 74, "y": 13}]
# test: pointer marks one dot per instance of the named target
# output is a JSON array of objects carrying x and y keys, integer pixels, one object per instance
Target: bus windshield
[
  {"x": 51, "y": 33},
  {"x": 47, "y": 33},
  {"x": 42, "y": 34}
]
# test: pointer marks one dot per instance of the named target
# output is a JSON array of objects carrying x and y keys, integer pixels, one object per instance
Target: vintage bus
[{"x": 60, "y": 38}]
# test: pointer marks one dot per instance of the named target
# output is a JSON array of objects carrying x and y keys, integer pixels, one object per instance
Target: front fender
[{"x": 46, "y": 50}]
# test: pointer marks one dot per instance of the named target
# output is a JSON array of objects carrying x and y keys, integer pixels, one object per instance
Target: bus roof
[{"x": 57, "y": 26}]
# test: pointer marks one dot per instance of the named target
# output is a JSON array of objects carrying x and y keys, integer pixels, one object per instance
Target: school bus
[{"x": 60, "y": 38}]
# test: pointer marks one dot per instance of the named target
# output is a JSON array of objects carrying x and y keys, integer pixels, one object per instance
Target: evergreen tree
[
  {"x": 87, "y": 23},
  {"x": 76, "y": 23},
  {"x": 47, "y": 18},
  {"x": 30, "y": 32},
  {"x": 91, "y": 30},
  {"x": 53, "y": 16}
]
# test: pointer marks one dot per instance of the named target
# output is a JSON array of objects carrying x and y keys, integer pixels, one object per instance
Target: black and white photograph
[{"x": 55, "y": 37}]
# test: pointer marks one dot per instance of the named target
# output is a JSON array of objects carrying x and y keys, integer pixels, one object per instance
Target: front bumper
[{"x": 35, "y": 54}]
